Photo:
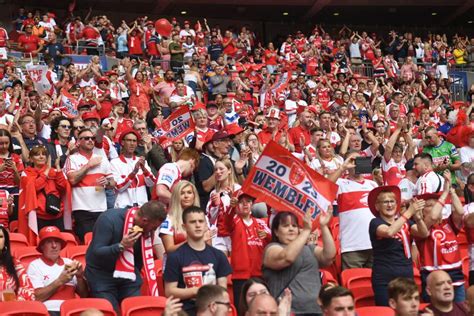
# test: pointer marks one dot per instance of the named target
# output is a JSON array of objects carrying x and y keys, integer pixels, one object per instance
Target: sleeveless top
[{"x": 302, "y": 278}]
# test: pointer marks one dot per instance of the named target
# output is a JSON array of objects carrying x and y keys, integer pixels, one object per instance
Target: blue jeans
[
  {"x": 110, "y": 197},
  {"x": 115, "y": 290}
]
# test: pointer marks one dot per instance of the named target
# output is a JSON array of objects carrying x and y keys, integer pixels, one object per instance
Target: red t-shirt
[
  {"x": 7, "y": 175},
  {"x": 229, "y": 49},
  {"x": 3, "y": 37},
  {"x": 30, "y": 42},
  {"x": 135, "y": 45}
]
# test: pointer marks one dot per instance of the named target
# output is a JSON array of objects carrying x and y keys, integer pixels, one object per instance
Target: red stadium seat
[
  {"x": 356, "y": 277},
  {"x": 143, "y": 306},
  {"x": 70, "y": 239},
  {"x": 77, "y": 253},
  {"x": 30, "y": 308},
  {"x": 74, "y": 307},
  {"x": 26, "y": 255},
  {"x": 13, "y": 226},
  {"x": 18, "y": 240},
  {"x": 328, "y": 277},
  {"x": 375, "y": 311},
  {"x": 363, "y": 296},
  {"x": 87, "y": 238}
]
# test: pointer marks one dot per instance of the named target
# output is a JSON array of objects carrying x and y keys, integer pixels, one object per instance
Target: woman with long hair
[
  {"x": 14, "y": 282},
  {"x": 60, "y": 145},
  {"x": 11, "y": 164},
  {"x": 140, "y": 90},
  {"x": 220, "y": 198},
  {"x": 251, "y": 140},
  {"x": 43, "y": 184},
  {"x": 171, "y": 232}
]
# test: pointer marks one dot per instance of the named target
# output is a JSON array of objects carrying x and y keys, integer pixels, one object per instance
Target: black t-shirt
[
  {"x": 388, "y": 252},
  {"x": 192, "y": 268},
  {"x": 204, "y": 172},
  {"x": 215, "y": 50}
]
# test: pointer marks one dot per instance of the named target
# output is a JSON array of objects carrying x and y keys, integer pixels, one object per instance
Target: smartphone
[{"x": 363, "y": 165}]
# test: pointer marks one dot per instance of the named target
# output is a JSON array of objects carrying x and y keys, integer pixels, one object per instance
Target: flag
[
  {"x": 177, "y": 126},
  {"x": 38, "y": 74},
  {"x": 68, "y": 104},
  {"x": 285, "y": 183}
]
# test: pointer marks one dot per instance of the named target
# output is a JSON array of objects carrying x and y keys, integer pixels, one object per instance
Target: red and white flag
[
  {"x": 38, "y": 74},
  {"x": 177, "y": 126},
  {"x": 287, "y": 184},
  {"x": 68, "y": 104}
]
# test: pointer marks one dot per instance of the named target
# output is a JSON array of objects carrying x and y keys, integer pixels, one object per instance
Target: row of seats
[
  {"x": 19, "y": 240},
  {"x": 132, "y": 306}
]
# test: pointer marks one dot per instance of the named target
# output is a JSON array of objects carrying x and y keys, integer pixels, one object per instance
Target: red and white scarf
[{"x": 125, "y": 265}]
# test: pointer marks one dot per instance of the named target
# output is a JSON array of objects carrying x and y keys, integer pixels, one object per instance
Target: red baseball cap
[
  {"x": 50, "y": 232},
  {"x": 103, "y": 78},
  {"x": 92, "y": 115},
  {"x": 233, "y": 129}
]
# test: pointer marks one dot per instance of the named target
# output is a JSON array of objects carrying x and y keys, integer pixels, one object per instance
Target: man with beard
[
  {"x": 164, "y": 90},
  {"x": 300, "y": 135}
]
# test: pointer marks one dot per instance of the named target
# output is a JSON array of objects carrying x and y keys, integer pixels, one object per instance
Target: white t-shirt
[
  {"x": 407, "y": 189},
  {"x": 87, "y": 195},
  {"x": 42, "y": 274},
  {"x": 430, "y": 182},
  {"x": 168, "y": 175}
]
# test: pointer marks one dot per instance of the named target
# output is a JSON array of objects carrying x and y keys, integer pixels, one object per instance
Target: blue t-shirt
[
  {"x": 192, "y": 268},
  {"x": 388, "y": 252}
]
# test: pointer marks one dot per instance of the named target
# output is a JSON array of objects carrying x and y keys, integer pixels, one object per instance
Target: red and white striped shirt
[
  {"x": 130, "y": 188},
  {"x": 354, "y": 214}
]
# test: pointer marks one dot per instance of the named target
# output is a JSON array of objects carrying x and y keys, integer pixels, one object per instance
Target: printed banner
[
  {"x": 287, "y": 184},
  {"x": 177, "y": 126},
  {"x": 68, "y": 105},
  {"x": 37, "y": 74}
]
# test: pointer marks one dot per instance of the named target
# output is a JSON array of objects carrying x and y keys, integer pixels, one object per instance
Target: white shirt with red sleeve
[
  {"x": 168, "y": 175},
  {"x": 130, "y": 189},
  {"x": 430, "y": 182},
  {"x": 393, "y": 172},
  {"x": 43, "y": 272},
  {"x": 87, "y": 195},
  {"x": 3, "y": 37},
  {"x": 354, "y": 214}
]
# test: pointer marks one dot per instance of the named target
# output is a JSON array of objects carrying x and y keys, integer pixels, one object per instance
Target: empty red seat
[
  {"x": 17, "y": 308},
  {"x": 74, "y": 307},
  {"x": 87, "y": 238},
  {"x": 18, "y": 240},
  {"x": 70, "y": 239},
  {"x": 363, "y": 296},
  {"x": 26, "y": 255},
  {"x": 356, "y": 277},
  {"x": 143, "y": 306}
]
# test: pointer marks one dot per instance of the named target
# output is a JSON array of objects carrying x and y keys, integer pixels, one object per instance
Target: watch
[{"x": 121, "y": 247}]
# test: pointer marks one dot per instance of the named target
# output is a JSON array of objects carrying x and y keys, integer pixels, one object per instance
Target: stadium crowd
[{"x": 373, "y": 114}]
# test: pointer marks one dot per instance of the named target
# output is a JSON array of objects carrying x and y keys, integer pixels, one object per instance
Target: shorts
[{"x": 224, "y": 244}]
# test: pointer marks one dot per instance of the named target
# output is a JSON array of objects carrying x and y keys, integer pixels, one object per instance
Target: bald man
[
  {"x": 470, "y": 299},
  {"x": 262, "y": 305},
  {"x": 439, "y": 287}
]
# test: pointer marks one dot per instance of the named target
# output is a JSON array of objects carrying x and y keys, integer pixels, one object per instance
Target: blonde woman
[
  {"x": 326, "y": 162},
  {"x": 171, "y": 231},
  {"x": 226, "y": 185}
]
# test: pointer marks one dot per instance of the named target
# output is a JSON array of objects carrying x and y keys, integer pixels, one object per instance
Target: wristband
[
  {"x": 404, "y": 217},
  {"x": 442, "y": 204}
]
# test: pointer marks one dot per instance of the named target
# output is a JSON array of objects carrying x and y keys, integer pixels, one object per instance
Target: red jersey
[
  {"x": 201, "y": 51},
  {"x": 216, "y": 124},
  {"x": 122, "y": 125},
  {"x": 229, "y": 49},
  {"x": 323, "y": 97},
  {"x": 247, "y": 246},
  {"x": 90, "y": 34},
  {"x": 7, "y": 175},
  {"x": 106, "y": 105},
  {"x": 3, "y": 37},
  {"x": 295, "y": 135},
  {"x": 440, "y": 250},
  {"x": 4, "y": 208},
  {"x": 135, "y": 45},
  {"x": 30, "y": 42}
]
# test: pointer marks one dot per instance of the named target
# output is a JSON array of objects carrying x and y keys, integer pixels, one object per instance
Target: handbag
[{"x": 53, "y": 204}]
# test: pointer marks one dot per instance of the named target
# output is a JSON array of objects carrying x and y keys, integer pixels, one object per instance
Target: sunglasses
[
  {"x": 79, "y": 128},
  {"x": 87, "y": 138},
  {"x": 66, "y": 126},
  {"x": 100, "y": 82}
]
